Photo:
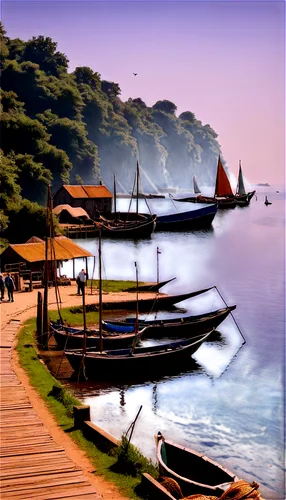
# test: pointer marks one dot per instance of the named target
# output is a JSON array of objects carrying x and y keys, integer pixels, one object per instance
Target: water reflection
[{"x": 231, "y": 406}]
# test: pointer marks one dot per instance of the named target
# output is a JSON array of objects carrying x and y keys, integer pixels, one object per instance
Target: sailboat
[
  {"x": 241, "y": 196},
  {"x": 130, "y": 224},
  {"x": 223, "y": 195},
  {"x": 196, "y": 186}
]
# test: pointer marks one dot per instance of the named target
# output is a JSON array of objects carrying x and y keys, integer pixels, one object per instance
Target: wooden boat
[
  {"x": 195, "y": 473},
  {"x": 192, "y": 219},
  {"x": 149, "y": 287},
  {"x": 158, "y": 302},
  {"x": 143, "y": 227},
  {"x": 177, "y": 327},
  {"x": 129, "y": 225},
  {"x": 144, "y": 361},
  {"x": 72, "y": 338}
]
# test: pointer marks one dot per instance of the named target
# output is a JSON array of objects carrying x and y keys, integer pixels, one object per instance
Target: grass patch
[
  {"x": 127, "y": 475},
  {"x": 73, "y": 318},
  {"x": 112, "y": 285}
]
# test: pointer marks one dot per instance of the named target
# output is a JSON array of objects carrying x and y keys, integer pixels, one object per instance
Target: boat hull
[
  {"x": 195, "y": 473},
  {"x": 144, "y": 361},
  {"x": 72, "y": 338},
  {"x": 129, "y": 229},
  {"x": 193, "y": 219},
  {"x": 208, "y": 200},
  {"x": 179, "y": 327}
]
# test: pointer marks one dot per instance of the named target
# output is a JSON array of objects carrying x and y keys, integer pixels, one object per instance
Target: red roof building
[{"x": 93, "y": 199}]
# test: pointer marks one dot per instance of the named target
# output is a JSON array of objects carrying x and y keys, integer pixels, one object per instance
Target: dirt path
[{"x": 23, "y": 308}]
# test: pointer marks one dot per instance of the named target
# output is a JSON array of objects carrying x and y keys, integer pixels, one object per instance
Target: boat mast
[
  {"x": 114, "y": 195},
  {"x": 49, "y": 221},
  {"x": 137, "y": 304},
  {"x": 217, "y": 176},
  {"x": 137, "y": 313},
  {"x": 84, "y": 319},
  {"x": 137, "y": 189},
  {"x": 158, "y": 252},
  {"x": 100, "y": 292}
]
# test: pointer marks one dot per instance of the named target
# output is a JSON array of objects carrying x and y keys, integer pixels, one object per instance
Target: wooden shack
[
  {"x": 71, "y": 215},
  {"x": 29, "y": 258},
  {"x": 93, "y": 199}
]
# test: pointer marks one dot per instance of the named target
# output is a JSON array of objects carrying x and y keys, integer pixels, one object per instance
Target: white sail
[{"x": 196, "y": 187}]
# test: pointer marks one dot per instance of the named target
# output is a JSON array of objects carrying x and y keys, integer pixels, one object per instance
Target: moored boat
[
  {"x": 144, "y": 361},
  {"x": 141, "y": 228},
  {"x": 192, "y": 219},
  {"x": 172, "y": 327},
  {"x": 149, "y": 287},
  {"x": 72, "y": 338},
  {"x": 195, "y": 473}
]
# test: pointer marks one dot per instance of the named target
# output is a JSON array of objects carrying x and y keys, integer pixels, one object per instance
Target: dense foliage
[{"x": 59, "y": 127}]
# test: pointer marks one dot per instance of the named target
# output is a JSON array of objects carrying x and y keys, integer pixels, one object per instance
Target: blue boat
[{"x": 191, "y": 219}]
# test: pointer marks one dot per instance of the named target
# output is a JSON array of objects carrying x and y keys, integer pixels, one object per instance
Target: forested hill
[{"x": 66, "y": 127}]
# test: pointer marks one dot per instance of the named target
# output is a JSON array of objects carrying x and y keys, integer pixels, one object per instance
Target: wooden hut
[
  {"x": 29, "y": 258},
  {"x": 93, "y": 199},
  {"x": 71, "y": 215}
]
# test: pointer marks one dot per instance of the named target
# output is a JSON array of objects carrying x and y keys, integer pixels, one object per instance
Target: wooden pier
[{"x": 33, "y": 465}]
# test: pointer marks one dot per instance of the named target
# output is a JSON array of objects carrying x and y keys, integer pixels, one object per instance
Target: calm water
[{"x": 231, "y": 406}]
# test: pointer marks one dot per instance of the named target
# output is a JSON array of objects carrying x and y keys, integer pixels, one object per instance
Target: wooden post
[
  {"x": 86, "y": 268},
  {"x": 81, "y": 414},
  {"x": 40, "y": 317},
  {"x": 31, "y": 281},
  {"x": 73, "y": 269}
]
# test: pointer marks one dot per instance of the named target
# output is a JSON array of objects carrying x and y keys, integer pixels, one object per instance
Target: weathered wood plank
[{"x": 33, "y": 466}]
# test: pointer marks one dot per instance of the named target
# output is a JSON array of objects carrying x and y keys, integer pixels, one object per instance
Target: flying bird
[{"x": 135, "y": 74}]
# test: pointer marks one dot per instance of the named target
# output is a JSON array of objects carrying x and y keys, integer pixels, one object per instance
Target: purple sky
[{"x": 222, "y": 60}]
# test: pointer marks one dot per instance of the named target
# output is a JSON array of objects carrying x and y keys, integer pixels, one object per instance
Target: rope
[
  {"x": 241, "y": 490},
  {"x": 244, "y": 341},
  {"x": 153, "y": 185}
]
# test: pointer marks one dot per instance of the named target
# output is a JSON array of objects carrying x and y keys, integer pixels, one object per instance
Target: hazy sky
[{"x": 222, "y": 60}]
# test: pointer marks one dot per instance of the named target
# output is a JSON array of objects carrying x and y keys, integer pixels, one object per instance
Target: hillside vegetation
[{"x": 60, "y": 127}]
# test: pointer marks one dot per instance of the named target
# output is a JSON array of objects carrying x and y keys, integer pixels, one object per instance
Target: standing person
[
  {"x": 9, "y": 283},
  {"x": 81, "y": 281},
  {"x": 2, "y": 286}
]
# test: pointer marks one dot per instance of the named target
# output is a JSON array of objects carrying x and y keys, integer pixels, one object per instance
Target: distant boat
[
  {"x": 267, "y": 202},
  {"x": 196, "y": 187},
  {"x": 191, "y": 219},
  {"x": 241, "y": 196},
  {"x": 223, "y": 196}
]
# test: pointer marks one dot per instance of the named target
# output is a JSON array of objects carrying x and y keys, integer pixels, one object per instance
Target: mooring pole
[{"x": 40, "y": 317}]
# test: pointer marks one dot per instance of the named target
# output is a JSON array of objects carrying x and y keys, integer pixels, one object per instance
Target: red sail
[{"x": 223, "y": 187}]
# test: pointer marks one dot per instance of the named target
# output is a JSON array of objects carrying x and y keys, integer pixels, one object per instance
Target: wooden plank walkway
[{"x": 33, "y": 466}]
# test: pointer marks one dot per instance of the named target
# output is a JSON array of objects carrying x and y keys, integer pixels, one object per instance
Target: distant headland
[{"x": 263, "y": 184}]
